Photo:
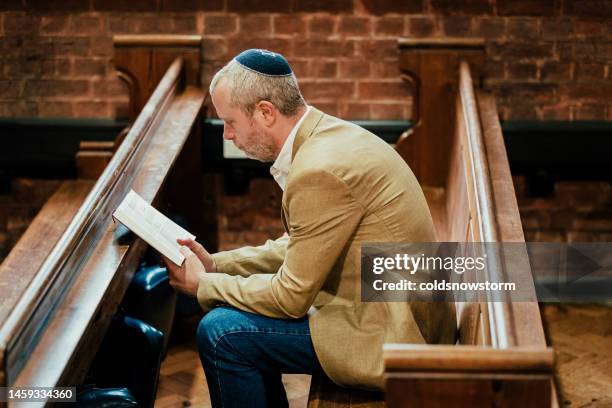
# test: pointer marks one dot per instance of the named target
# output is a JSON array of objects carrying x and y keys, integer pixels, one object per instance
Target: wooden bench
[
  {"x": 457, "y": 152},
  {"x": 60, "y": 310}
]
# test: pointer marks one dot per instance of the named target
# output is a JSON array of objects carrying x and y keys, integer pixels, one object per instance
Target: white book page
[{"x": 151, "y": 225}]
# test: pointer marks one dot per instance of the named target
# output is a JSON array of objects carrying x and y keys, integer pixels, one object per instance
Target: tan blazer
[{"x": 346, "y": 186}]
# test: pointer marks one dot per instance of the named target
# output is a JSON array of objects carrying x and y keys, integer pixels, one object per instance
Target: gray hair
[{"x": 248, "y": 87}]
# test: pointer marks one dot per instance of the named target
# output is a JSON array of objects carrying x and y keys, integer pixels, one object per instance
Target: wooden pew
[
  {"x": 57, "y": 314},
  {"x": 457, "y": 152}
]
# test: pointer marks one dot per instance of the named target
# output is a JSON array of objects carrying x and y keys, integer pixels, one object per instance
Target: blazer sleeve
[
  {"x": 323, "y": 216},
  {"x": 266, "y": 258}
]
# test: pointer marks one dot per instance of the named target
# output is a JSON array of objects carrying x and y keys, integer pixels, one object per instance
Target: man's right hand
[{"x": 202, "y": 254}]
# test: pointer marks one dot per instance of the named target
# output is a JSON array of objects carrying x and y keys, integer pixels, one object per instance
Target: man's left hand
[{"x": 185, "y": 278}]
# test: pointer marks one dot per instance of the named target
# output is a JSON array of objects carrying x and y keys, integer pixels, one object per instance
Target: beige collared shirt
[{"x": 282, "y": 164}]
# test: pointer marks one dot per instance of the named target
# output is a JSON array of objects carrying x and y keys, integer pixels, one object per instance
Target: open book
[{"x": 154, "y": 227}]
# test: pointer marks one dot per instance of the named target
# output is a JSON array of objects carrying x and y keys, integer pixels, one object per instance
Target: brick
[
  {"x": 591, "y": 111},
  {"x": 354, "y": 110},
  {"x": 556, "y": 112},
  {"x": 56, "y": 67},
  {"x": 465, "y": 7},
  {"x": 56, "y": 87},
  {"x": 392, "y": 6},
  {"x": 22, "y": 23},
  {"x": 421, "y": 26},
  {"x": 550, "y": 236},
  {"x": 582, "y": 236},
  {"x": 522, "y": 28},
  {"x": 255, "y": 237},
  {"x": 18, "y": 108},
  {"x": 597, "y": 220},
  {"x": 256, "y": 25},
  {"x": 122, "y": 24},
  {"x": 83, "y": 24},
  {"x": 383, "y": 90},
  {"x": 215, "y": 49},
  {"x": 521, "y": 49},
  {"x": 355, "y": 26},
  {"x": 529, "y": 91},
  {"x": 587, "y": 52},
  {"x": 588, "y": 8},
  {"x": 528, "y": 7},
  {"x": 184, "y": 24},
  {"x": 536, "y": 219},
  {"x": 389, "y": 26},
  {"x": 10, "y": 89},
  {"x": 386, "y": 111},
  {"x": 489, "y": 27},
  {"x": 520, "y": 110},
  {"x": 494, "y": 70},
  {"x": 324, "y": 48},
  {"x": 596, "y": 91},
  {"x": 556, "y": 28},
  {"x": 377, "y": 50},
  {"x": 323, "y": 69},
  {"x": 255, "y": 6},
  {"x": 89, "y": 67},
  {"x": 54, "y": 24},
  {"x": 153, "y": 24},
  {"x": 383, "y": 70},
  {"x": 555, "y": 71},
  {"x": 109, "y": 88},
  {"x": 521, "y": 70},
  {"x": 120, "y": 5},
  {"x": 328, "y": 89},
  {"x": 354, "y": 69},
  {"x": 220, "y": 25},
  {"x": 590, "y": 29},
  {"x": 289, "y": 24},
  {"x": 101, "y": 46},
  {"x": 57, "y": 5},
  {"x": 321, "y": 26},
  {"x": 55, "y": 109},
  {"x": 590, "y": 71},
  {"x": 281, "y": 45},
  {"x": 241, "y": 221},
  {"x": 337, "y": 6},
  {"x": 457, "y": 26},
  {"x": 583, "y": 193},
  {"x": 327, "y": 106},
  {"x": 300, "y": 67},
  {"x": 191, "y": 5}
]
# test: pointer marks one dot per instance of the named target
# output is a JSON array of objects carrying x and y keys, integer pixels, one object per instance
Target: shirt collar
[{"x": 281, "y": 166}]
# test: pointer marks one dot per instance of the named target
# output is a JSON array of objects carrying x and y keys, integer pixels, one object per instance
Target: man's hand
[
  {"x": 202, "y": 254},
  {"x": 185, "y": 278}
]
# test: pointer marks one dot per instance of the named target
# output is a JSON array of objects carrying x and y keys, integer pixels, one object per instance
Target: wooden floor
[
  {"x": 582, "y": 338},
  {"x": 182, "y": 382}
]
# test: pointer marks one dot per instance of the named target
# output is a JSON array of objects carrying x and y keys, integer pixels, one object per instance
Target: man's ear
[{"x": 267, "y": 112}]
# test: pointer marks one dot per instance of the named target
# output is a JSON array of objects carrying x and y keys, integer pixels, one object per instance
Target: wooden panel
[
  {"x": 325, "y": 394},
  {"x": 430, "y": 66},
  {"x": 18, "y": 269},
  {"x": 468, "y": 391},
  {"x": 419, "y": 357},
  {"x": 143, "y": 59}
]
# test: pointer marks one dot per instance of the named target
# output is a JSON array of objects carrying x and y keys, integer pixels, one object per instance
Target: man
[{"x": 293, "y": 305}]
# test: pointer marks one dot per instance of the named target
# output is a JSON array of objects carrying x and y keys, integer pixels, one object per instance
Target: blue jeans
[{"x": 244, "y": 354}]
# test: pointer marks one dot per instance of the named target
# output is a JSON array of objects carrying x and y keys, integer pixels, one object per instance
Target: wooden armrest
[{"x": 460, "y": 358}]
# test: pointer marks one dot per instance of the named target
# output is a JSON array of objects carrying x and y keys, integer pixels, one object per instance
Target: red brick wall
[
  {"x": 18, "y": 209},
  {"x": 547, "y": 59},
  {"x": 579, "y": 211}
]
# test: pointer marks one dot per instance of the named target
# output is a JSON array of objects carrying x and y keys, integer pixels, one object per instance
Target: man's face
[{"x": 246, "y": 134}]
